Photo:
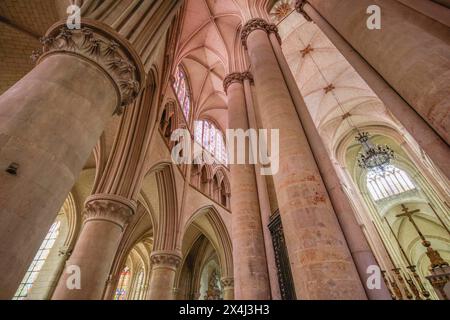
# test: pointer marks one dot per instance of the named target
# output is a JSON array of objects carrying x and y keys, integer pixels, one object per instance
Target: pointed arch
[{"x": 220, "y": 238}]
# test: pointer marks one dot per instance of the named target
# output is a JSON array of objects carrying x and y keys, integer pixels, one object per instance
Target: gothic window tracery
[
  {"x": 391, "y": 182},
  {"x": 38, "y": 262},
  {"x": 211, "y": 139},
  {"x": 122, "y": 288},
  {"x": 138, "y": 293},
  {"x": 182, "y": 91}
]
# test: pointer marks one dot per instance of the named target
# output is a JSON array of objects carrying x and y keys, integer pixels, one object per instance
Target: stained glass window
[
  {"x": 122, "y": 288},
  {"x": 38, "y": 262},
  {"x": 181, "y": 88},
  {"x": 212, "y": 140},
  {"x": 391, "y": 182},
  {"x": 138, "y": 293}
]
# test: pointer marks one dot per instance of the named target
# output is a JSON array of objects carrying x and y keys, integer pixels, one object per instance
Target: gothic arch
[
  {"x": 222, "y": 195},
  {"x": 219, "y": 236},
  {"x": 389, "y": 234}
]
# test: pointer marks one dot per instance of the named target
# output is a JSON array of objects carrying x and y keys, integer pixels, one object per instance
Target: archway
[
  {"x": 386, "y": 199},
  {"x": 206, "y": 271}
]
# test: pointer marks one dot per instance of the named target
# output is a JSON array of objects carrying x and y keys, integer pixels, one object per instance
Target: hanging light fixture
[
  {"x": 373, "y": 157},
  {"x": 376, "y": 158}
]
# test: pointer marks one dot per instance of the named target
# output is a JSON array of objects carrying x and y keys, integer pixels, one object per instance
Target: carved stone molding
[
  {"x": 237, "y": 77},
  {"x": 227, "y": 282},
  {"x": 109, "y": 208},
  {"x": 258, "y": 24},
  {"x": 102, "y": 46},
  {"x": 165, "y": 259},
  {"x": 300, "y": 8}
]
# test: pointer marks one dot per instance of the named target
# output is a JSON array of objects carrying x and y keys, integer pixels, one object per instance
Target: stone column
[
  {"x": 322, "y": 266},
  {"x": 106, "y": 217},
  {"x": 49, "y": 123},
  {"x": 263, "y": 195},
  {"x": 362, "y": 254},
  {"x": 410, "y": 52},
  {"x": 249, "y": 256},
  {"x": 228, "y": 288},
  {"x": 162, "y": 280},
  {"x": 436, "y": 148}
]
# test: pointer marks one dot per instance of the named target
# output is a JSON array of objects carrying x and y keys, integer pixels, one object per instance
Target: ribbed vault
[{"x": 337, "y": 97}]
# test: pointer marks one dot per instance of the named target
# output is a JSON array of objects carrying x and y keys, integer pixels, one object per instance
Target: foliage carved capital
[
  {"x": 258, "y": 24},
  {"x": 236, "y": 77},
  {"x": 109, "y": 208},
  {"x": 101, "y": 45},
  {"x": 165, "y": 259}
]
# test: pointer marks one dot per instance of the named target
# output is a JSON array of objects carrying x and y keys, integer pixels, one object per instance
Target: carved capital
[
  {"x": 109, "y": 208},
  {"x": 258, "y": 24},
  {"x": 165, "y": 259},
  {"x": 236, "y": 77},
  {"x": 227, "y": 282},
  {"x": 101, "y": 45},
  {"x": 300, "y": 8}
]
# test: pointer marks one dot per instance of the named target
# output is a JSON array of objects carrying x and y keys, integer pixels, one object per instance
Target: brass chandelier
[{"x": 373, "y": 157}]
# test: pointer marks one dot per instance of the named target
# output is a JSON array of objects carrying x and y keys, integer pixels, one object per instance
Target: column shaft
[
  {"x": 162, "y": 279},
  {"x": 49, "y": 123},
  {"x": 264, "y": 202},
  {"x": 322, "y": 266},
  {"x": 363, "y": 256},
  {"x": 250, "y": 265},
  {"x": 96, "y": 248}
]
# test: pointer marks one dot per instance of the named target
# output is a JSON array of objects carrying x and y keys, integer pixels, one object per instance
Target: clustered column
[
  {"x": 250, "y": 265},
  {"x": 50, "y": 122},
  {"x": 106, "y": 217},
  {"x": 359, "y": 247},
  {"x": 322, "y": 266}
]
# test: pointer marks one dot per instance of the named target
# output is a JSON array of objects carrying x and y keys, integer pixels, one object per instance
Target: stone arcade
[{"x": 90, "y": 195}]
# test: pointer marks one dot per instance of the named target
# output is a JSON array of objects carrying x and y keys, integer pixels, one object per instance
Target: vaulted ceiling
[
  {"x": 337, "y": 97},
  {"x": 210, "y": 49},
  {"x": 205, "y": 49}
]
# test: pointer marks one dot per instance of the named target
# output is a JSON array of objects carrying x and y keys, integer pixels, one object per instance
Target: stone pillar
[
  {"x": 436, "y": 148},
  {"x": 49, "y": 123},
  {"x": 106, "y": 217},
  {"x": 263, "y": 196},
  {"x": 162, "y": 280},
  {"x": 228, "y": 288},
  {"x": 410, "y": 52},
  {"x": 322, "y": 266},
  {"x": 249, "y": 256},
  {"x": 362, "y": 254}
]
